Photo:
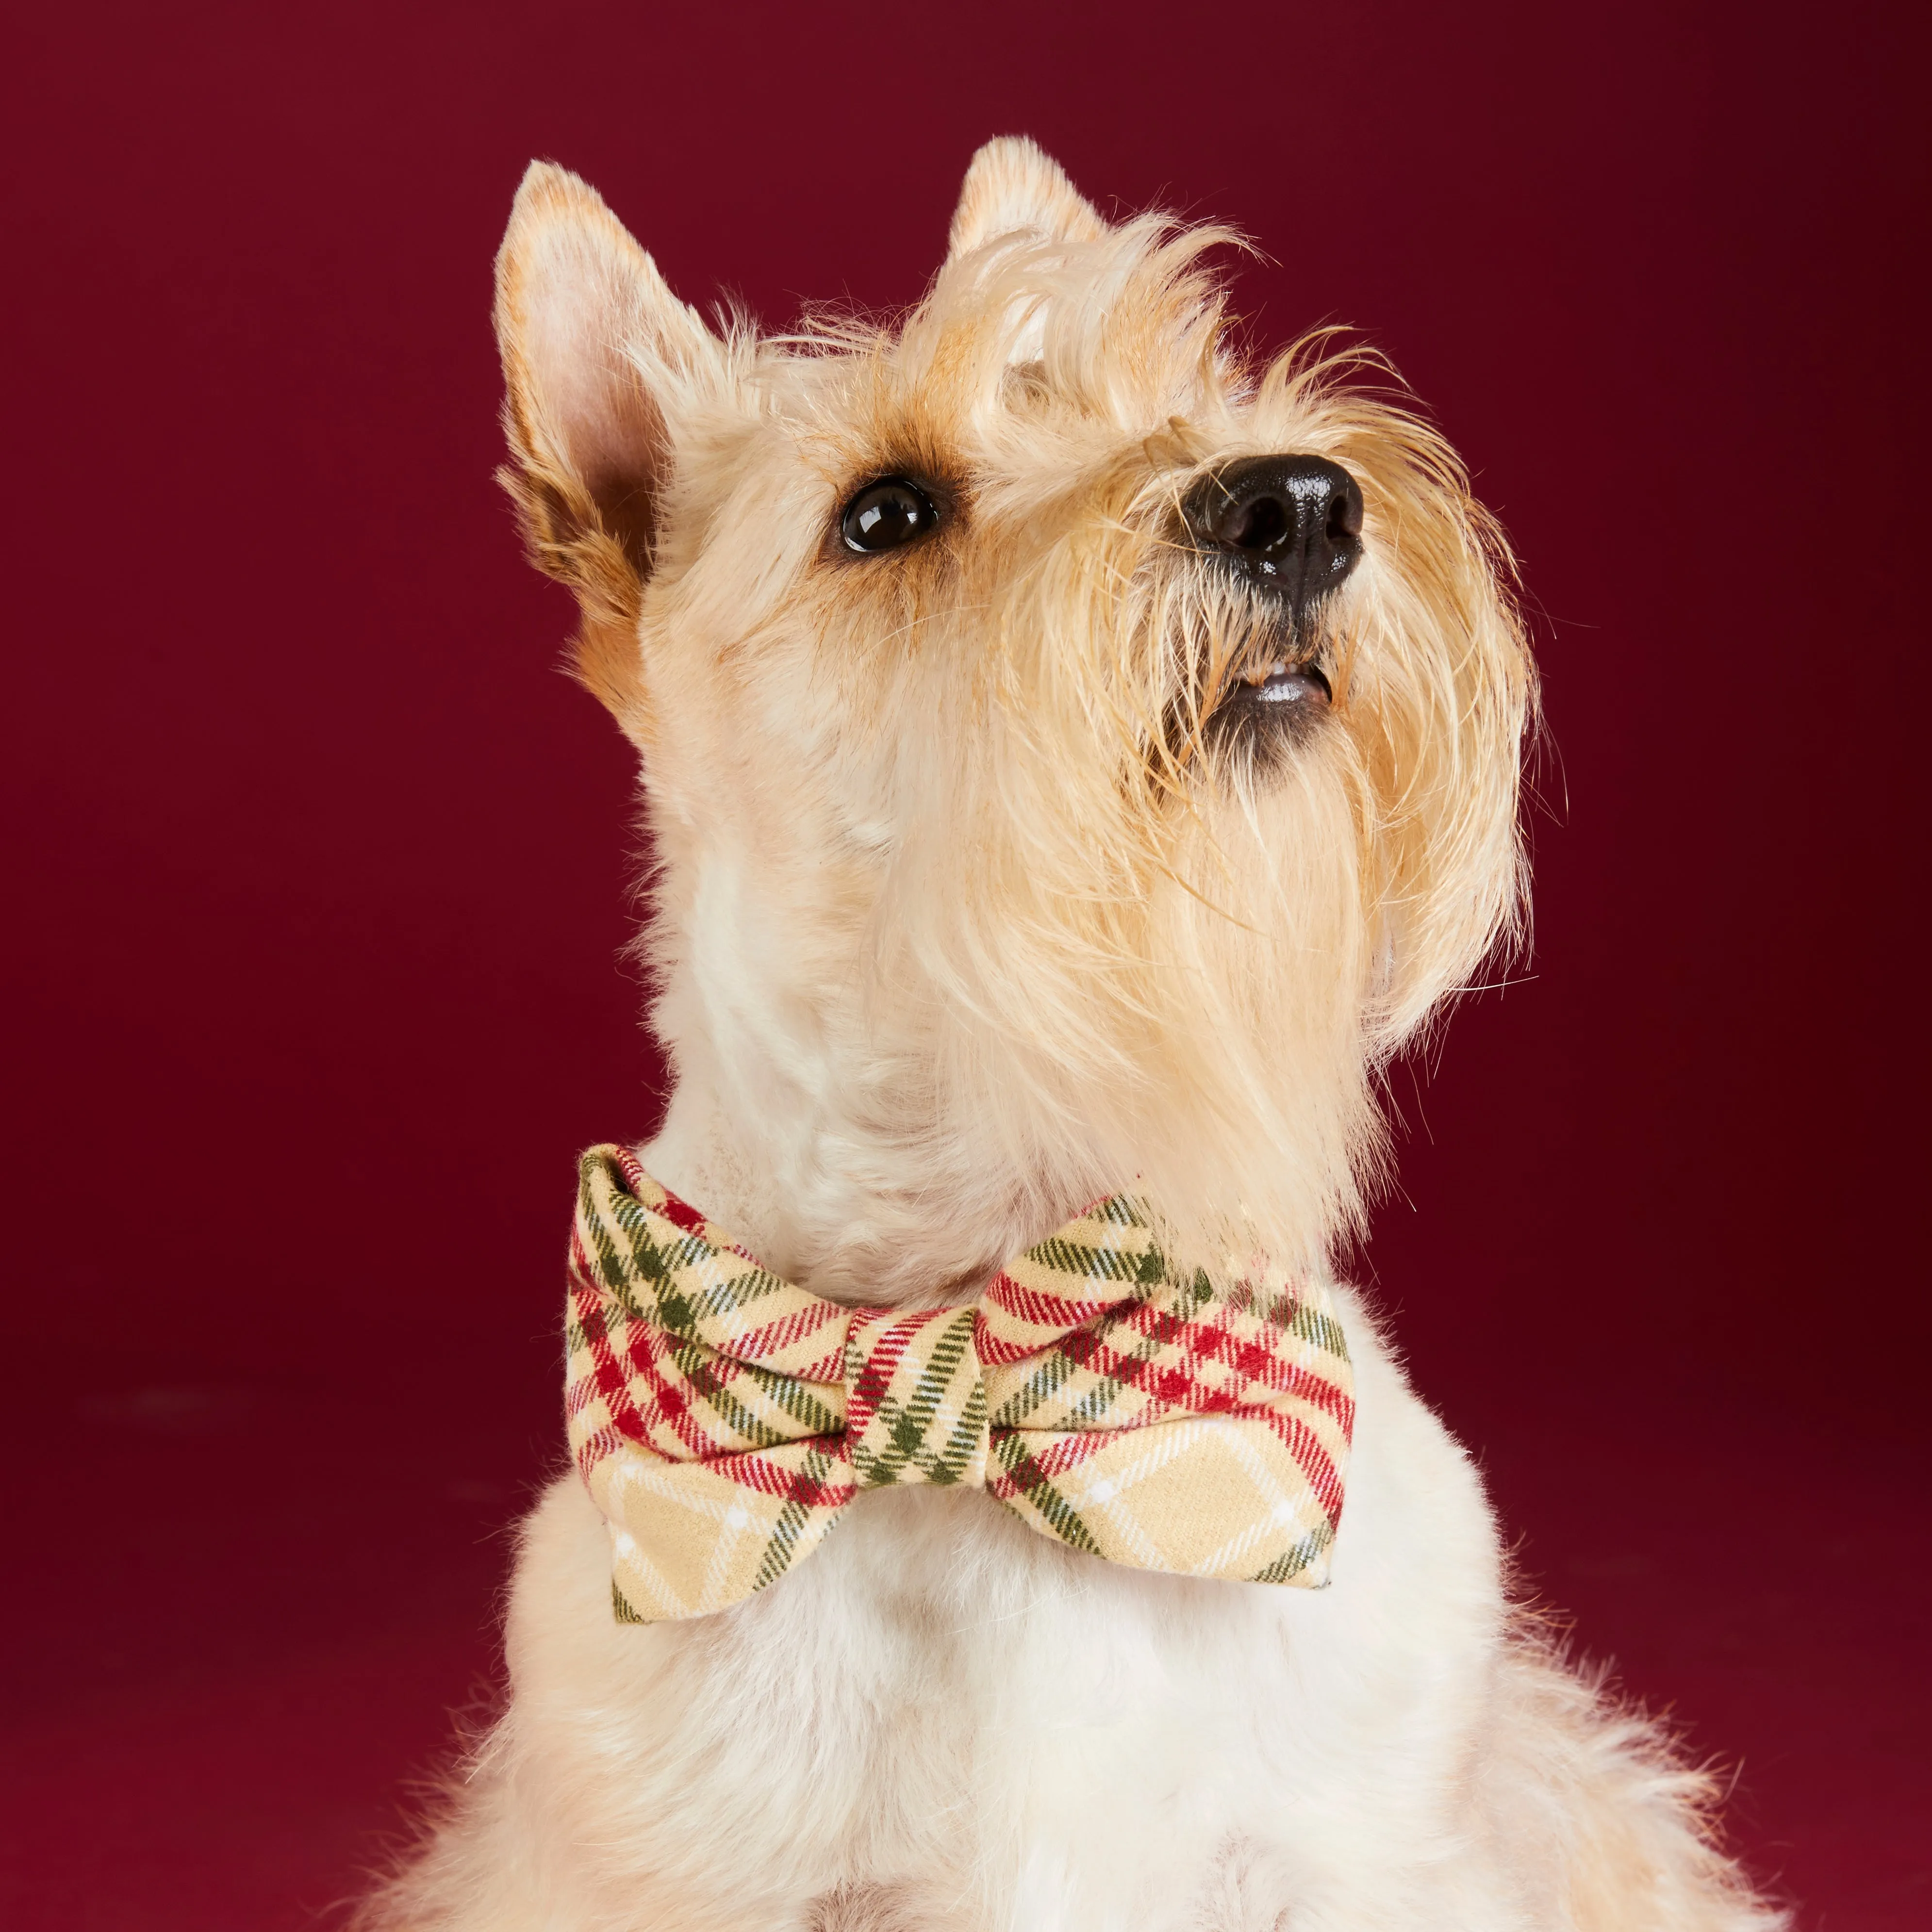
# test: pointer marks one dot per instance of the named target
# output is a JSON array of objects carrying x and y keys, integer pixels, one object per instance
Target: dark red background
[{"x": 320, "y": 869}]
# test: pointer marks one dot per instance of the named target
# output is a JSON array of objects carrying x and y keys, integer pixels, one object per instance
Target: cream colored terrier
[{"x": 1075, "y": 761}]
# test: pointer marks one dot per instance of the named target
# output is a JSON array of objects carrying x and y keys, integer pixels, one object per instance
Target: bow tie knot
[
  {"x": 915, "y": 1400},
  {"x": 724, "y": 1418}
]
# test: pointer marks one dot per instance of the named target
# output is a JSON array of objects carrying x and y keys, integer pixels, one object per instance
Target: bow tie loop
[{"x": 724, "y": 1418}]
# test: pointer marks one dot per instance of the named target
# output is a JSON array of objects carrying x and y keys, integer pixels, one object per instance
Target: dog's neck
[
  {"x": 767, "y": 1133},
  {"x": 814, "y": 1204}
]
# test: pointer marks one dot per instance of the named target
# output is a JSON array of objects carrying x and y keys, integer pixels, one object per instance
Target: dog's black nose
[{"x": 1291, "y": 522}]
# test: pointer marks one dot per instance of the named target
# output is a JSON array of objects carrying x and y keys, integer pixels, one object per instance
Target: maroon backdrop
[{"x": 319, "y": 869}]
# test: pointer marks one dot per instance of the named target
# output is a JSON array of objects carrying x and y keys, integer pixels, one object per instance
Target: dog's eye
[{"x": 886, "y": 514}]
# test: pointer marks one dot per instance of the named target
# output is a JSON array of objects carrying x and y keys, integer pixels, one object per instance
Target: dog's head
[{"x": 1073, "y": 751}]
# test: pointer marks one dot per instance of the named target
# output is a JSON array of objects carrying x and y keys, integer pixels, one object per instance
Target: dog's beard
[
  {"x": 1259, "y": 949},
  {"x": 1149, "y": 953}
]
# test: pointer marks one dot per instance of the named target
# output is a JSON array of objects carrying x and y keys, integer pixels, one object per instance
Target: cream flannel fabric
[{"x": 723, "y": 1418}]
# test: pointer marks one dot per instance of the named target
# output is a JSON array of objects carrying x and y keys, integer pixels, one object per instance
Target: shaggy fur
[{"x": 964, "y": 916}]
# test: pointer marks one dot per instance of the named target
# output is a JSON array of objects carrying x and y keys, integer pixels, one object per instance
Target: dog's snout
[{"x": 1293, "y": 523}]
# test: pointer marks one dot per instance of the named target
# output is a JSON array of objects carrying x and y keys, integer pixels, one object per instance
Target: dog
[{"x": 1076, "y": 757}]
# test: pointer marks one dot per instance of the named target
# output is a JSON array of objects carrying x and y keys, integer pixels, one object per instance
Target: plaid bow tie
[{"x": 723, "y": 1419}]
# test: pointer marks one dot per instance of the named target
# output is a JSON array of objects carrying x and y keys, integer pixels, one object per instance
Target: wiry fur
[{"x": 963, "y": 915}]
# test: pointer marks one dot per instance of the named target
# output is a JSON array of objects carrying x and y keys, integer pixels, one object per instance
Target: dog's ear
[
  {"x": 1012, "y": 188},
  {"x": 593, "y": 342}
]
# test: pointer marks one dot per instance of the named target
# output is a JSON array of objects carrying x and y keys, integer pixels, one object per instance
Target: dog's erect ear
[
  {"x": 592, "y": 341},
  {"x": 1012, "y": 188}
]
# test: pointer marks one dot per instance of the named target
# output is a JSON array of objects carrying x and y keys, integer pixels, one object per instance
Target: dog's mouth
[
  {"x": 1271, "y": 704},
  {"x": 1256, "y": 682},
  {"x": 1279, "y": 683}
]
